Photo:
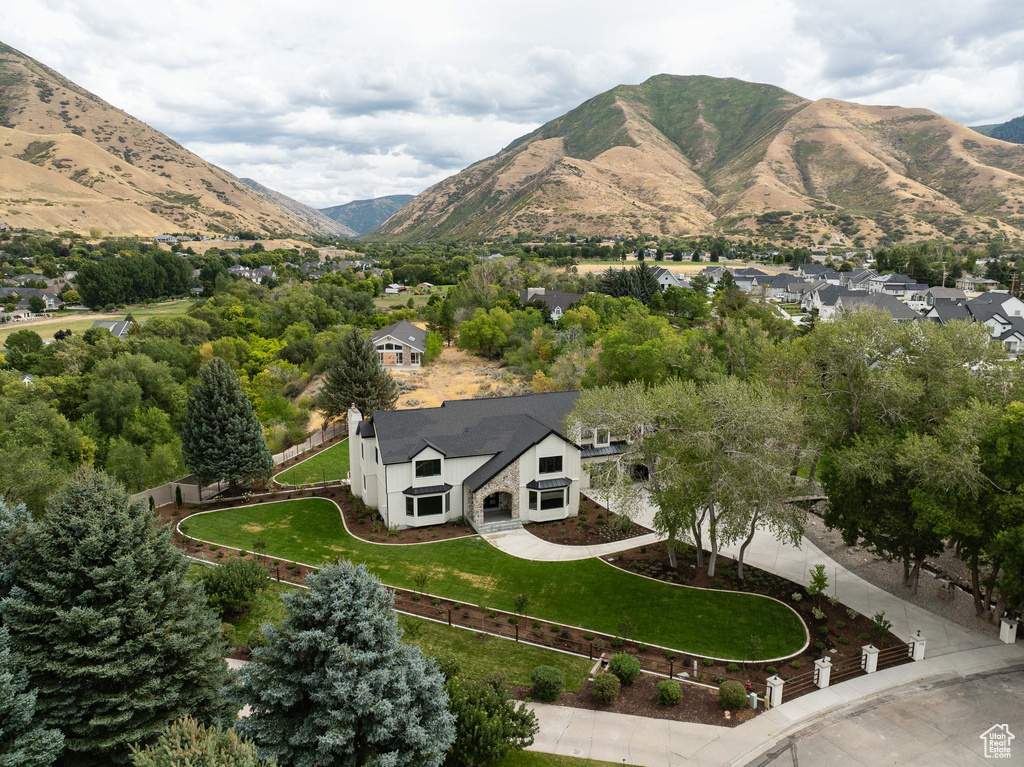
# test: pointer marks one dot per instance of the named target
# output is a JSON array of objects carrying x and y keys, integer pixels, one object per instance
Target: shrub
[
  {"x": 669, "y": 655},
  {"x": 448, "y": 664},
  {"x": 536, "y": 624},
  {"x": 840, "y": 625},
  {"x": 797, "y": 596},
  {"x": 708, "y": 662},
  {"x": 548, "y": 683},
  {"x": 771, "y": 669},
  {"x": 625, "y": 667},
  {"x": 818, "y": 614},
  {"x": 554, "y": 629},
  {"x": 795, "y": 664},
  {"x": 823, "y": 630},
  {"x": 819, "y": 645},
  {"x": 232, "y": 587},
  {"x": 669, "y": 692},
  {"x": 732, "y": 695},
  {"x": 589, "y": 637},
  {"x": 843, "y": 640},
  {"x": 732, "y": 667},
  {"x": 863, "y": 636},
  {"x": 605, "y": 688}
]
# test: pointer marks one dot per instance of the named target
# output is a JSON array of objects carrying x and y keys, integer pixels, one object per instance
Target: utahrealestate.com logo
[{"x": 997, "y": 741}]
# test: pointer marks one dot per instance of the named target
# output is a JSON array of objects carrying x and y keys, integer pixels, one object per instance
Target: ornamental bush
[
  {"x": 732, "y": 695},
  {"x": 231, "y": 588},
  {"x": 669, "y": 692},
  {"x": 605, "y": 688},
  {"x": 548, "y": 683},
  {"x": 625, "y": 667}
]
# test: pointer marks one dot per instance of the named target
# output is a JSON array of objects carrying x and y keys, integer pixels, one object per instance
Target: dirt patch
[
  {"x": 594, "y": 525},
  {"x": 455, "y": 375}
]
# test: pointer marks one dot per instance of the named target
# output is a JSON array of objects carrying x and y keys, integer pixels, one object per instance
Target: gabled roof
[
  {"x": 939, "y": 292},
  {"x": 947, "y": 310},
  {"x": 896, "y": 308},
  {"x": 552, "y": 298},
  {"x": 406, "y": 332},
  {"x": 502, "y": 427}
]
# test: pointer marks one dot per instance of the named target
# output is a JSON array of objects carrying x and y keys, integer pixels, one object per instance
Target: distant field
[
  {"x": 391, "y": 301},
  {"x": 79, "y": 322}
]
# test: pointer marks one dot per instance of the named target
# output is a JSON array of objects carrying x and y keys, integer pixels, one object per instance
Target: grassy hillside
[
  {"x": 702, "y": 155},
  {"x": 71, "y": 161}
]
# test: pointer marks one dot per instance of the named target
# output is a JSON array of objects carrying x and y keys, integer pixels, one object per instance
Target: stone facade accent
[{"x": 507, "y": 481}]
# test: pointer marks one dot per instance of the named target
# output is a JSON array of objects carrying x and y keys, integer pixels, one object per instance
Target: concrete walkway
[
  {"x": 787, "y": 560},
  {"x": 660, "y": 743}
]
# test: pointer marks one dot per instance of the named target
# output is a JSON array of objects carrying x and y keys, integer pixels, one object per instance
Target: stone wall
[{"x": 507, "y": 481}]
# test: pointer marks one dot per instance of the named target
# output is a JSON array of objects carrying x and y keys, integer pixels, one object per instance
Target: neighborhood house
[
  {"x": 499, "y": 462},
  {"x": 400, "y": 346}
]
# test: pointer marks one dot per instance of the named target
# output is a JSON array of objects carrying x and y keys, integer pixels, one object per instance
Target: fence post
[
  {"x": 917, "y": 646},
  {"x": 517, "y": 632},
  {"x": 869, "y": 658},
  {"x": 774, "y": 695},
  {"x": 449, "y": 616},
  {"x": 590, "y": 653},
  {"x": 1008, "y": 630},
  {"x": 671, "y": 669},
  {"x": 822, "y": 671}
]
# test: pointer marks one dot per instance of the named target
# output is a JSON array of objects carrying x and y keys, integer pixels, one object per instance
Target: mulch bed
[
  {"x": 367, "y": 524},
  {"x": 699, "y": 704},
  {"x": 846, "y": 631},
  {"x": 594, "y": 525}
]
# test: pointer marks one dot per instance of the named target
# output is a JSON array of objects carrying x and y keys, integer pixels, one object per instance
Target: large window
[
  {"x": 551, "y": 465},
  {"x": 410, "y": 507},
  {"x": 602, "y": 438},
  {"x": 414, "y": 358},
  {"x": 533, "y": 500},
  {"x": 429, "y": 505},
  {"x": 429, "y": 468},
  {"x": 385, "y": 350},
  {"x": 553, "y": 499}
]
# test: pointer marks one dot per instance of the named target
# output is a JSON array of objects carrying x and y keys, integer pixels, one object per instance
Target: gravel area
[{"x": 954, "y": 605}]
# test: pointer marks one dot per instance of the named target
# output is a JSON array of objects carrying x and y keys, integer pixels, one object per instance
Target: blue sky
[{"x": 334, "y": 101}]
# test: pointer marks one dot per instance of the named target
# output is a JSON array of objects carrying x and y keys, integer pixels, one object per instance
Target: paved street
[{"x": 936, "y": 725}]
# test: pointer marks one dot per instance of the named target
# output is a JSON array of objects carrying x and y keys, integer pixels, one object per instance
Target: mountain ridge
[
  {"x": 71, "y": 161},
  {"x": 364, "y": 216},
  {"x": 678, "y": 155}
]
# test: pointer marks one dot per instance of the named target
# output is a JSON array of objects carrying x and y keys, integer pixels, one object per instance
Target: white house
[
  {"x": 400, "y": 346},
  {"x": 499, "y": 462},
  {"x": 667, "y": 278},
  {"x": 556, "y": 301}
]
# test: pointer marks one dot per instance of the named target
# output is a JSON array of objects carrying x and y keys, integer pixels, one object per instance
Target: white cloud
[{"x": 328, "y": 102}]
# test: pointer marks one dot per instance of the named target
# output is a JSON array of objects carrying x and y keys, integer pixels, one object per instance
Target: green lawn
[
  {"x": 477, "y": 657},
  {"x": 329, "y": 464},
  {"x": 537, "y": 759},
  {"x": 79, "y": 322},
  {"x": 587, "y": 593}
]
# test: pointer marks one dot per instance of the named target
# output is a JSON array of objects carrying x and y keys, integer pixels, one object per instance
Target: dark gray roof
[
  {"x": 594, "y": 452},
  {"x": 947, "y": 310},
  {"x": 890, "y": 304},
  {"x": 553, "y": 298},
  {"x": 405, "y": 332},
  {"x": 987, "y": 305},
  {"x": 548, "y": 484},
  {"x": 829, "y": 294},
  {"x": 431, "y": 490},
  {"x": 502, "y": 427}
]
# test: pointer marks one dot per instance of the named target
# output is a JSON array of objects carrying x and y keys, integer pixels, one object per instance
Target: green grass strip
[
  {"x": 586, "y": 593},
  {"x": 330, "y": 464}
]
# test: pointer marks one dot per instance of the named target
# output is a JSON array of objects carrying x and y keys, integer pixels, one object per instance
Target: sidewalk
[{"x": 661, "y": 743}]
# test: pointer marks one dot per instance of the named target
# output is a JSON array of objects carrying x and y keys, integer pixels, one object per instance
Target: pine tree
[
  {"x": 220, "y": 437},
  {"x": 15, "y": 522},
  {"x": 334, "y": 685},
  {"x": 23, "y": 741},
  {"x": 116, "y": 639},
  {"x": 354, "y": 375},
  {"x": 188, "y": 743}
]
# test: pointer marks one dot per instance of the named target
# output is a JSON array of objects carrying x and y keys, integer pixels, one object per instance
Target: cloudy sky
[{"x": 333, "y": 101}]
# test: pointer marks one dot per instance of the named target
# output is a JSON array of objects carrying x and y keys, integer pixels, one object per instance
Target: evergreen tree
[
  {"x": 115, "y": 638},
  {"x": 354, "y": 375},
  {"x": 188, "y": 743},
  {"x": 15, "y": 522},
  {"x": 23, "y": 741},
  {"x": 221, "y": 437},
  {"x": 334, "y": 685},
  {"x": 489, "y": 725}
]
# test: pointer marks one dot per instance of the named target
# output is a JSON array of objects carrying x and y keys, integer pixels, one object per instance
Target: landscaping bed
[
  {"x": 698, "y": 704},
  {"x": 846, "y": 630},
  {"x": 364, "y": 522},
  {"x": 594, "y": 525}
]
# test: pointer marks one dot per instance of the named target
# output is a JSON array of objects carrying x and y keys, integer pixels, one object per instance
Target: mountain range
[
  {"x": 1011, "y": 130},
  {"x": 71, "y": 161},
  {"x": 364, "y": 216},
  {"x": 686, "y": 155}
]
